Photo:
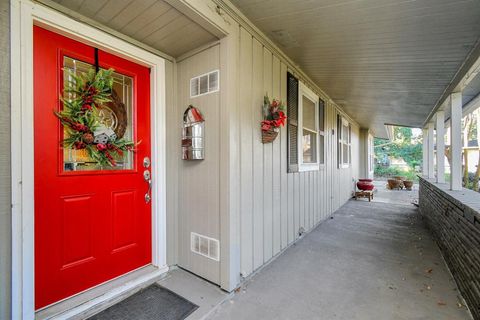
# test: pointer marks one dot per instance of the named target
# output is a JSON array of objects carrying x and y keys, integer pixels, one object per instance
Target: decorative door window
[{"x": 115, "y": 117}]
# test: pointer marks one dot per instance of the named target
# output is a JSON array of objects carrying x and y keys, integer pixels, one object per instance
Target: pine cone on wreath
[{"x": 88, "y": 138}]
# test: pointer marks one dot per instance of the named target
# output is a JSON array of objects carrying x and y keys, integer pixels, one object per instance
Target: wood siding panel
[
  {"x": 246, "y": 154},
  {"x": 130, "y": 12},
  {"x": 301, "y": 202},
  {"x": 276, "y": 219},
  {"x": 88, "y": 8},
  {"x": 267, "y": 167},
  {"x": 199, "y": 181},
  {"x": 313, "y": 198},
  {"x": 284, "y": 224},
  {"x": 257, "y": 100},
  {"x": 275, "y": 204},
  {"x": 110, "y": 10},
  {"x": 145, "y": 18},
  {"x": 5, "y": 164}
]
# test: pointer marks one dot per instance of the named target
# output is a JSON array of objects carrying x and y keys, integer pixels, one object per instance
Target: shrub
[{"x": 390, "y": 172}]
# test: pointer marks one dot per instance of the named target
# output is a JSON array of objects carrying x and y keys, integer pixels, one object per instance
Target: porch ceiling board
[
  {"x": 384, "y": 61},
  {"x": 153, "y": 22}
]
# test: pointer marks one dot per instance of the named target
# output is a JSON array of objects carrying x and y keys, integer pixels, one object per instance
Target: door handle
[{"x": 147, "y": 177}]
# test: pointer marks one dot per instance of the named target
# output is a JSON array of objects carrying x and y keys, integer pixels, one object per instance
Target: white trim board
[{"x": 24, "y": 15}]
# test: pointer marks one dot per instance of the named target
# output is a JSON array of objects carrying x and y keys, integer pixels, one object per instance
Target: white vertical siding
[
  {"x": 198, "y": 187},
  {"x": 275, "y": 204},
  {"x": 284, "y": 221},
  {"x": 257, "y": 152},
  {"x": 267, "y": 167},
  {"x": 276, "y": 216},
  {"x": 246, "y": 152},
  {"x": 5, "y": 189}
]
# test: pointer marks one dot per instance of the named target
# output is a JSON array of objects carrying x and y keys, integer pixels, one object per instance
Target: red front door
[{"x": 92, "y": 223}]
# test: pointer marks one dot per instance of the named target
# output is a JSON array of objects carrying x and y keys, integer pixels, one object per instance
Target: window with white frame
[
  {"x": 305, "y": 127},
  {"x": 308, "y": 129},
  {"x": 321, "y": 131},
  {"x": 344, "y": 132}
]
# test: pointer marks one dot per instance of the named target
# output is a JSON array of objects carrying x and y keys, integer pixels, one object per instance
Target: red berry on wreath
[
  {"x": 79, "y": 145},
  {"x": 86, "y": 107},
  {"x": 101, "y": 147},
  {"x": 80, "y": 127}
]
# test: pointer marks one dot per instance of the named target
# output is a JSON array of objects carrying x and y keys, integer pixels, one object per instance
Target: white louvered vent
[
  {"x": 205, "y": 246},
  {"x": 204, "y": 84}
]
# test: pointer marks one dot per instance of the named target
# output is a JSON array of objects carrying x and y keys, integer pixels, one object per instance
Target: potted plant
[
  {"x": 365, "y": 184},
  {"x": 273, "y": 117}
]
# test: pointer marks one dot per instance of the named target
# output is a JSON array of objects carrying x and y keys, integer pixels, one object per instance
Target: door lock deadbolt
[{"x": 146, "y": 162}]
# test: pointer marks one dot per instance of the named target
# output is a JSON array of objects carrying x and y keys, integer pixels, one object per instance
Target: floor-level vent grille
[{"x": 205, "y": 246}]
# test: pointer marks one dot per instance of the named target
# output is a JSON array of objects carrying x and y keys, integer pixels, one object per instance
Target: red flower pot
[{"x": 365, "y": 184}]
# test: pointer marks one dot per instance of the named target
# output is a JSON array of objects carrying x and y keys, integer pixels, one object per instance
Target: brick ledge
[{"x": 464, "y": 199}]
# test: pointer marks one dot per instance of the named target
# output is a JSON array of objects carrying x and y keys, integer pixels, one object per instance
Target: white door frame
[{"x": 24, "y": 15}]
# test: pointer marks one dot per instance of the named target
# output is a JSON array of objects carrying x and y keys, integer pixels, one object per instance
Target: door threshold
[{"x": 98, "y": 298}]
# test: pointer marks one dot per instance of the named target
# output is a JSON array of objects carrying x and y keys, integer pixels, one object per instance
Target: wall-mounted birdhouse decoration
[{"x": 193, "y": 134}]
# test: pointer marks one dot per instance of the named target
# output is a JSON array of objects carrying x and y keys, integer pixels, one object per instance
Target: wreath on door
[{"x": 86, "y": 98}]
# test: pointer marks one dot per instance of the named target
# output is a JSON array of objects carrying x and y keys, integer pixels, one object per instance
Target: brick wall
[{"x": 456, "y": 226}]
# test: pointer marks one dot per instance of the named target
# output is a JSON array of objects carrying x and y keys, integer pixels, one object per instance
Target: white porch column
[
  {"x": 431, "y": 168},
  {"x": 425, "y": 152},
  {"x": 456, "y": 140},
  {"x": 440, "y": 134}
]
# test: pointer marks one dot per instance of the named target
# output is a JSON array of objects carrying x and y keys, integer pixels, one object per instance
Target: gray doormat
[{"x": 152, "y": 303}]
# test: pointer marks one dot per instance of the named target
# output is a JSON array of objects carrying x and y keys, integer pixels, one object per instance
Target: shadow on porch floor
[{"x": 371, "y": 261}]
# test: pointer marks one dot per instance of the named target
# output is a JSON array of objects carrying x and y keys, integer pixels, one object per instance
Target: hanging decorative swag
[
  {"x": 273, "y": 117},
  {"x": 81, "y": 119}
]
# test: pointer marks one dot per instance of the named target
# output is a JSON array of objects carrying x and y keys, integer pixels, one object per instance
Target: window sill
[{"x": 308, "y": 167}]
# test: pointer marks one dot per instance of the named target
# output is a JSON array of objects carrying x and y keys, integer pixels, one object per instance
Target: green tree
[{"x": 404, "y": 145}]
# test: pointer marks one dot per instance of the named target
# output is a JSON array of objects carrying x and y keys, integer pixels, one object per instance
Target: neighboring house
[
  {"x": 71, "y": 225},
  {"x": 473, "y": 159},
  {"x": 398, "y": 163}
]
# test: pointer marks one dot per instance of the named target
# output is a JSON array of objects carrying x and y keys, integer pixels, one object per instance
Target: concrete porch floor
[{"x": 371, "y": 261}]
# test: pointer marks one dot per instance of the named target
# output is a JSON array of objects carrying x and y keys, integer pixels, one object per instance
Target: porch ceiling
[
  {"x": 384, "y": 61},
  {"x": 153, "y": 22}
]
